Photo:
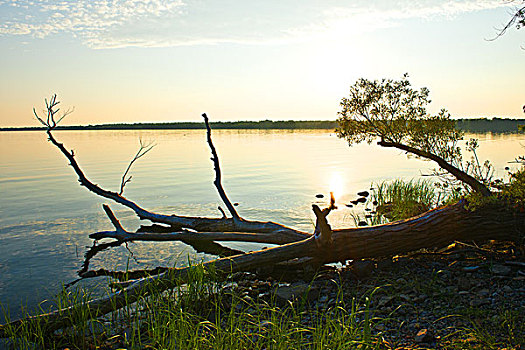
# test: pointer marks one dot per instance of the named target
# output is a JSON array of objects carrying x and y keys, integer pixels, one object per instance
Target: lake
[{"x": 45, "y": 216}]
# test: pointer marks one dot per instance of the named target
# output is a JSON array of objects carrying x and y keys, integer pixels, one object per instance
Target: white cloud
[
  {"x": 342, "y": 21},
  {"x": 121, "y": 23},
  {"x": 85, "y": 18}
]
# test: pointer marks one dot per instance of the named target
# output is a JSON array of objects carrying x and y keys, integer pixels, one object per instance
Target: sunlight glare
[{"x": 335, "y": 185}]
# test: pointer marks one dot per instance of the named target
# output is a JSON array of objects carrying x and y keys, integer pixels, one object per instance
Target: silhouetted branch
[
  {"x": 518, "y": 19},
  {"x": 256, "y": 237},
  {"x": 323, "y": 231},
  {"x": 222, "y": 212},
  {"x": 125, "y": 275},
  {"x": 435, "y": 228},
  {"x": 143, "y": 149},
  {"x": 112, "y": 218},
  {"x": 94, "y": 250},
  {"x": 196, "y": 223},
  {"x": 217, "y": 182},
  {"x": 459, "y": 174}
]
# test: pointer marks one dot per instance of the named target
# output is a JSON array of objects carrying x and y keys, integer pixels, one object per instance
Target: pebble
[
  {"x": 362, "y": 268},
  {"x": 295, "y": 291},
  {"x": 479, "y": 302},
  {"x": 401, "y": 281},
  {"x": 484, "y": 292},
  {"x": 410, "y": 309},
  {"x": 507, "y": 289},
  {"x": 501, "y": 270},
  {"x": 424, "y": 336},
  {"x": 384, "y": 300}
]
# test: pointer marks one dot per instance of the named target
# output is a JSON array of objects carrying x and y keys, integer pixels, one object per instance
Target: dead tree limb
[
  {"x": 435, "y": 228},
  {"x": 143, "y": 149},
  {"x": 217, "y": 182},
  {"x": 323, "y": 231},
  {"x": 169, "y": 279},
  {"x": 255, "y": 237},
  {"x": 178, "y": 222}
]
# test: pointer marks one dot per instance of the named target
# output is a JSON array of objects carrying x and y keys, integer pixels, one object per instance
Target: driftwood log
[{"x": 435, "y": 228}]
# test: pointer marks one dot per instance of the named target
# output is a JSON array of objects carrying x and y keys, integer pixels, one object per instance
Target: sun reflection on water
[{"x": 336, "y": 185}]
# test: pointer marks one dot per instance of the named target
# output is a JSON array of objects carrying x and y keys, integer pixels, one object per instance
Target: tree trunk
[
  {"x": 457, "y": 173},
  {"x": 435, "y": 228}
]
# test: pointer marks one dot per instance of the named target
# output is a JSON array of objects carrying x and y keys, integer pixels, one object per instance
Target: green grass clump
[
  {"x": 503, "y": 330},
  {"x": 207, "y": 313},
  {"x": 515, "y": 191},
  {"x": 510, "y": 195},
  {"x": 400, "y": 199}
]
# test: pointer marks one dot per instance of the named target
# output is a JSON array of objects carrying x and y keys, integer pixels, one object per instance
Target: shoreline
[{"x": 479, "y": 125}]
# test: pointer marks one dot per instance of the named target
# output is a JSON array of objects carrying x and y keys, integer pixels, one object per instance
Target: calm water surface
[{"x": 45, "y": 216}]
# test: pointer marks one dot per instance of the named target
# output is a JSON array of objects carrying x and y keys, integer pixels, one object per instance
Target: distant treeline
[
  {"x": 496, "y": 125},
  {"x": 480, "y": 125},
  {"x": 263, "y": 124}
]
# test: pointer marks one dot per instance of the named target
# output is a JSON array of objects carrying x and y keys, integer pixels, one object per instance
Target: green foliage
[
  {"x": 208, "y": 314},
  {"x": 79, "y": 322},
  {"x": 482, "y": 171},
  {"x": 511, "y": 194},
  {"x": 401, "y": 199},
  {"x": 394, "y": 113},
  {"x": 391, "y": 110},
  {"x": 515, "y": 190}
]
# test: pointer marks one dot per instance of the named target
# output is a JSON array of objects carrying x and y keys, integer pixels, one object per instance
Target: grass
[
  {"x": 207, "y": 314},
  {"x": 233, "y": 313},
  {"x": 485, "y": 332},
  {"x": 399, "y": 199}
]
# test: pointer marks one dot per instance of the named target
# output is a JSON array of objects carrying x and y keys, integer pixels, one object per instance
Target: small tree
[{"x": 394, "y": 113}]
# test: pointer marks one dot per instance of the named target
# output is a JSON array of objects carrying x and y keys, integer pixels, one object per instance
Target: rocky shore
[
  {"x": 464, "y": 297},
  {"x": 461, "y": 297}
]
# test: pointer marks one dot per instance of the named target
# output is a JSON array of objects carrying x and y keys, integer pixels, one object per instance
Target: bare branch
[
  {"x": 94, "y": 250},
  {"x": 211, "y": 247},
  {"x": 124, "y": 275},
  {"x": 323, "y": 231},
  {"x": 169, "y": 279},
  {"x": 433, "y": 228},
  {"x": 517, "y": 18},
  {"x": 217, "y": 182},
  {"x": 51, "y": 110},
  {"x": 197, "y": 223},
  {"x": 222, "y": 212},
  {"x": 124, "y": 236},
  {"x": 143, "y": 149},
  {"x": 112, "y": 218}
]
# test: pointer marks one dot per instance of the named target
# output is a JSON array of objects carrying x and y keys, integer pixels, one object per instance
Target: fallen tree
[{"x": 492, "y": 219}]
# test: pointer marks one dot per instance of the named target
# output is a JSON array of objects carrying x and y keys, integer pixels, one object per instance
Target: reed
[
  {"x": 400, "y": 199},
  {"x": 206, "y": 314}
]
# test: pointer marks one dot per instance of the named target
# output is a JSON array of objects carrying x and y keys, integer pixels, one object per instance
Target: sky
[{"x": 127, "y": 61}]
